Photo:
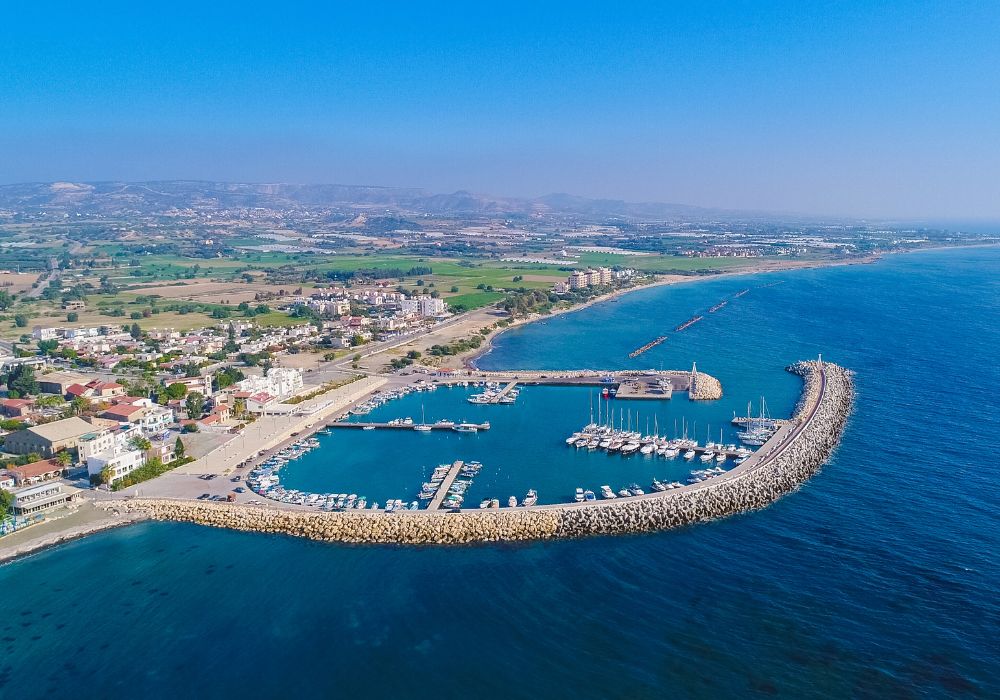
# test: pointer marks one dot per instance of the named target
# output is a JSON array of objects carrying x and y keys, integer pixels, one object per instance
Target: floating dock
[{"x": 442, "y": 491}]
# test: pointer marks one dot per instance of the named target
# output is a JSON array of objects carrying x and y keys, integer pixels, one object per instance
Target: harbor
[{"x": 792, "y": 453}]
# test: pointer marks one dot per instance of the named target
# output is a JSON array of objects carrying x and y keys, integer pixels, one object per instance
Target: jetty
[
  {"x": 358, "y": 425},
  {"x": 442, "y": 490},
  {"x": 503, "y": 392}
]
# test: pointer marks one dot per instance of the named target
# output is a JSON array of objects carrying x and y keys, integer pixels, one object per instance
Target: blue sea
[{"x": 880, "y": 578}]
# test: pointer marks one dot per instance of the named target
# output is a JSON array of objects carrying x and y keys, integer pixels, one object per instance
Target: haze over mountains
[{"x": 148, "y": 197}]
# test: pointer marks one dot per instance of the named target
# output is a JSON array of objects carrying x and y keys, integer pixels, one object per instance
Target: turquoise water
[
  {"x": 525, "y": 447},
  {"x": 878, "y": 579}
]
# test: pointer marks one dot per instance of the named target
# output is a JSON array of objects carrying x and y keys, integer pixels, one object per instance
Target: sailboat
[
  {"x": 422, "y": 426},
  {"x": 758, "y": 429}
]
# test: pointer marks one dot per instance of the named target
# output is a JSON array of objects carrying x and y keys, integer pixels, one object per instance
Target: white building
[
  {"x": 156, "y": 420},
  {"x": 39, "y": 497},
  {"x": 279, "y": 382},
  {"x": 424, "y": 305},
  {"x": 120, "y": 462}
]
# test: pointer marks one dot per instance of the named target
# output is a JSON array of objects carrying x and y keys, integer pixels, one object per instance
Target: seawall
[{"x": 796, "y": 452}]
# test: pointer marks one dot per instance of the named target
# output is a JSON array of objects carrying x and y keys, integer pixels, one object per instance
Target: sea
[{"x": 879, "y": 578}]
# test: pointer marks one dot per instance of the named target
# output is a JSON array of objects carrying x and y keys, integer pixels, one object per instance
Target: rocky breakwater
[
  {"x": 788, "y": 459},
  {"x": 794, "y": 454},
  {"x": 405, "y": 527}
]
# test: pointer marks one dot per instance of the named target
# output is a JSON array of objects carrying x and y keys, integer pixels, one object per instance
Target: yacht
[
  {"x": 579, "y": 495},
  {"x": 512, "y": 502},
  {"x": 588, "y": 495},
  {"x": 465, "y": 428},
  {"x": 606, "y": 492},
  {"x": 530, "y": 499},
  {"x": 624, "y": 493},
  {"x": 659, "y": 485},
  {"x": 707, "y": 456},
  {"x": 647, "y": 449},
  {"x": 369, "y": 427},
  {"x": 690, "y": 454},
  {"x": 635, "y": 490}
]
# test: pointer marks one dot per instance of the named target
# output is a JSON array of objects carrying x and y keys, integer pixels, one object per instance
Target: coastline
[
  {"x": 26, "y": 546},
  {"x": 468, "y": 359}
]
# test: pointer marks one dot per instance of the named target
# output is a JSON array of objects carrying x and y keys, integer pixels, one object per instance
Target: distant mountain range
[{"x": 152, "y": 197}]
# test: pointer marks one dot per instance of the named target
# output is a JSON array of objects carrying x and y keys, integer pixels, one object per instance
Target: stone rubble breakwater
[{"x": 794, "y": 454}]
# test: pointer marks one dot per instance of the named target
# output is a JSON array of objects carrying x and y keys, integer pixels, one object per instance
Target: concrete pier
[
  {"x": 399, "y": 426},
  {"x": 503, "y": 392},
  {"x": 442, "y": 491}
]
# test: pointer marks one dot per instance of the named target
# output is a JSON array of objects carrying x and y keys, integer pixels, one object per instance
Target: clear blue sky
[{"x": 865, "y": 108}]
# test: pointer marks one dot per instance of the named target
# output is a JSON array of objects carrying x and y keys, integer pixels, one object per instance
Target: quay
[
  {"x": 402, "y": 426},
  {"x": 442, "y": 491}
]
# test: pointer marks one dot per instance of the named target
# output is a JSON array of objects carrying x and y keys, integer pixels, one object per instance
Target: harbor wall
[{"x": 779, "y": 467}]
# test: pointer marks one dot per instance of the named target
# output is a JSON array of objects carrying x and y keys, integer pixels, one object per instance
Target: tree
[
  {"x": 135, "y": 331},
  {"x": 177, "y": 391},
  {"x": 413, "y": 354},
  {"x": 195, "y": 405},
  {"x": 142, "y": 444},
  {"x": 190, "y": 428},
  {"x": 64, "y": 458},
  {"x": 239, "y": 407},
  {"x": 6, "y": 501},
  {"x": 50, "y": 401},
  {"x": 22, "y": 380},
  {"x": 20, "y": 320},
  {"x": 47, "y": 347},
  {"x": 6, "y": 300},
  {"x": 72, "y": 317},
  {"x": 454, "y": 289},
  {"x": 179, "y": 448},
  {"x": 78, "y": 405},
  {"x": 107, "y": 475}
]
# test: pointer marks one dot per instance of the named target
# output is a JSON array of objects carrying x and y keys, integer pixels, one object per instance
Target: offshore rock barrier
[{"x": 796, "y": 452}]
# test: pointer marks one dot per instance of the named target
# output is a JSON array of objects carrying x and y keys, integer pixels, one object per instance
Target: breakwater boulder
[{"x": 780, "y": 466}]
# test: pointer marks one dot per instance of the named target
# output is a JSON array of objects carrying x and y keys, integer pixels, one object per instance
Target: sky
[{"x": 872, "y": 109}]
